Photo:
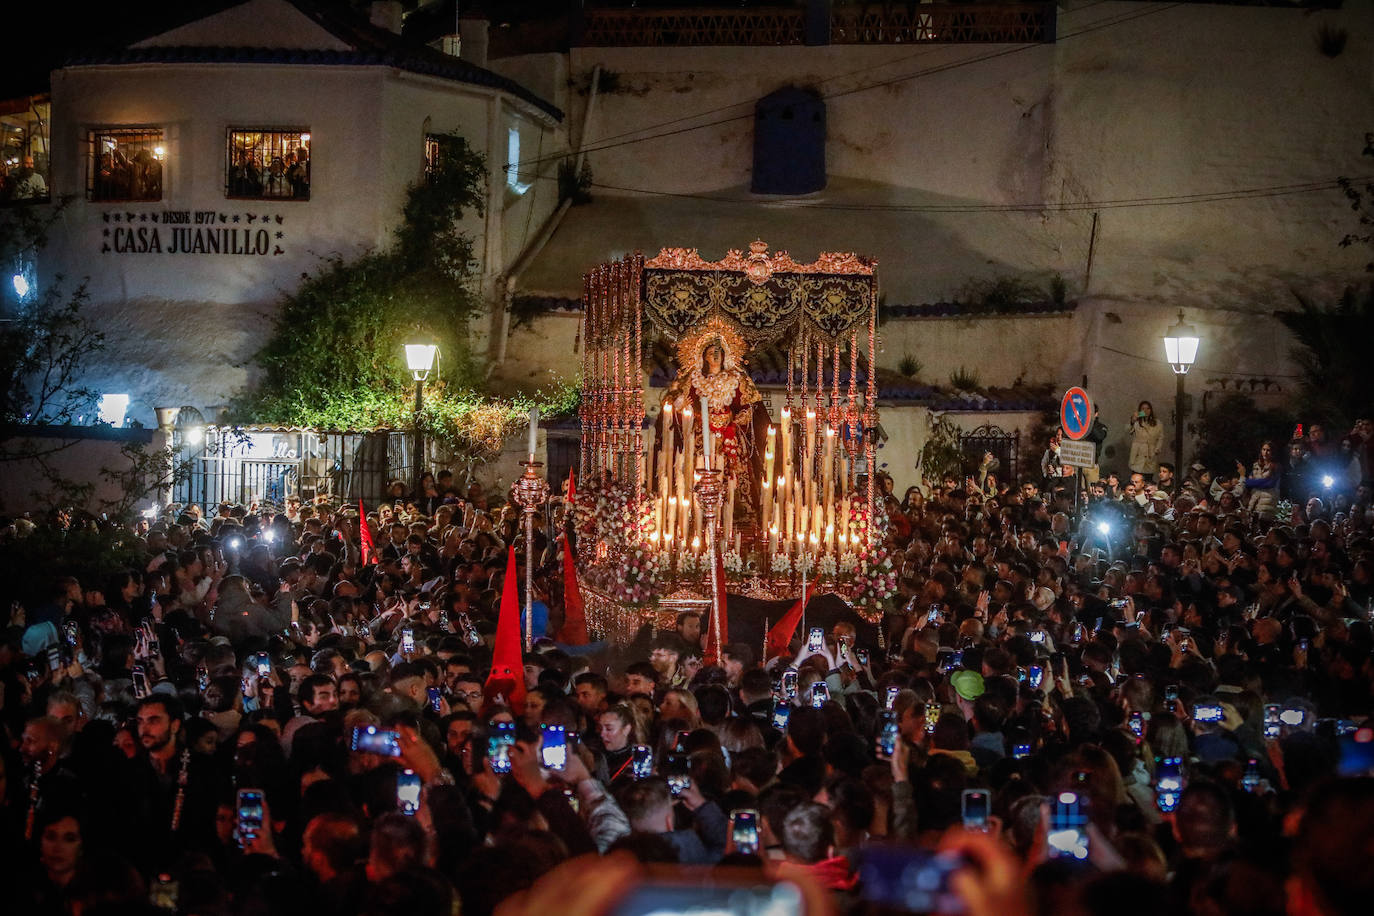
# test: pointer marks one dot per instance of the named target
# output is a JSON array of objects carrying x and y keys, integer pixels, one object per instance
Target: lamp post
[
  {"x": 1180, "y": 351},
  {"x": 420, "y": 359}
]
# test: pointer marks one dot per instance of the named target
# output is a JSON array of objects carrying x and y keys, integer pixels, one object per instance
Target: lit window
[
  {"x": 125, "y": 164},
  {"x": 113, "y": 407},
  {"x": 513, "y": 162},
  {"x": 268, "y": 164}
]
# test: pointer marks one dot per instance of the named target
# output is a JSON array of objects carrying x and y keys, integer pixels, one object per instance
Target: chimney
[
  {"x": 473, "y": 35},
  {"x": 386, "y": 14}
]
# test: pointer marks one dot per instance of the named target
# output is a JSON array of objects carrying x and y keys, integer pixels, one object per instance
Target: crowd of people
[{"x": 1158, "y": 703}]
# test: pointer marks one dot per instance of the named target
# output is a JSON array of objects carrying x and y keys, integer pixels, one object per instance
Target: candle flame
[
  {"x": 766, "y": 484},
  {"x": 667, "y": 408},
  {"x": 787, "y": 411},
  {"x": 810, "y": 415},
  {"x": 782, "y": 481},
  {"x": 653, "y": 536},
  {"x": 696, "y": 543},
  {"x": 773, "y": 531},
  {"x": 672, "y": 500},
  {"x": 770, "y": 430},
  {"x": 814, "y": 539},
  {"x": 830, "y": 430}
]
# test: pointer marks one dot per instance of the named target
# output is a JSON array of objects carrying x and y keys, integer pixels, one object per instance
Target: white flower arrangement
[
  {"x": 732, "y": 561},
  {"x": 848, "y": 561},
  {"x": 828, "y": 566},
  {"x": 782, "y": 564}
]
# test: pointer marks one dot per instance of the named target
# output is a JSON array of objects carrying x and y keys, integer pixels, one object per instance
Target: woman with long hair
[{"x": 1147, "y": 438}]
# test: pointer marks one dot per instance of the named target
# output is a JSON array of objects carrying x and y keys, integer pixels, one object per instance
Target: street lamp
[
  {"x": 420, "y": 359},
  {"x": 1180, "y": 351}
]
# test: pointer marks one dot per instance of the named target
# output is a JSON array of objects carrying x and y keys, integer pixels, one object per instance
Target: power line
[
  {"x": 1166, "y": 200},
  {"x": 1146, "y": 359},
  {"x": 1106, "y": 22}
]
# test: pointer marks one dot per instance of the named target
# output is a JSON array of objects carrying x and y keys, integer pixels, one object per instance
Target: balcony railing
[{"x": 907, "y": 24}]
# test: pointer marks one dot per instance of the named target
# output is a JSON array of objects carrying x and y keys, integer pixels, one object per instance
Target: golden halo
[{"x": 692, "y": 343}]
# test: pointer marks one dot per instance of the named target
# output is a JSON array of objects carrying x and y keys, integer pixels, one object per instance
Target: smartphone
[
  {"x": 974, "y": 807},
  {"x": 903, "y": 879},
  {"x": 1118, "y": 603},
  {"x": 933, "y": 615},
  {"x": 888, "y": 734},
  {"x": 1020, "y": 751},
  {"x": 1292, "y": 717},
  {"x": 1039, "y": 636},
  {"x": 202, "y": 678},
  {"x": 744, "y": 830},
  {"x": 1303, "y": 645},
  {"x": 1251, "y": 780},
  {"x": 1078, "y": 634},
  {"x": 789, "y": 683},
  {"x": 815, "y": 640},
  {"x": 140, "y": 679},
  {"x": 407, "y": 640},
  {"x": 676, "y": 774},
  {"x": 499, "y": 743},
  {"x": 470, "y": 634},
  {"x": 820, "y": 692},
  {"x": 264, "y": 663},
  {"x": 1208, "y": 712},
  {"x": 553, "y": 747},
  {"x": 436, "y": 698},
  {"x": 932, "y": 717},
  {"x": 1035, "y": 676},
  {"x": 1136, "y": 722},
  {"x": 1168, "y": 783},
  {"x": 1272, "y": 720},
  {"x": 1068, "y": 835},
  {"x": 680, "y": 743},
  {"x": 72, "y": 630},
  {"x": 642, "y": 761},
  {"x": 861, "y": 655},
  {"x": 1171, "y": 694},
  {"x": 782, "y": 712},
  {"x": 373, "y": 740},
  {"x": 891, "y": 697},
  {"x": 250, "y": 816},
  {"x": 408, "y": 792}
]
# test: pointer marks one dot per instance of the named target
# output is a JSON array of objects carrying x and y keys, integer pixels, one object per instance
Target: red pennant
[
  {"x": 714, "y": 640},
  {"x": 574, "y": 631},
  {"x": 507, "y": 678},
  {"x": 365, "y": 533},
  {"x": 780, "y": 636}
]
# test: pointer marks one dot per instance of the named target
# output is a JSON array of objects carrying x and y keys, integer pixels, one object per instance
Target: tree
[{"x": 334, "y": 360}]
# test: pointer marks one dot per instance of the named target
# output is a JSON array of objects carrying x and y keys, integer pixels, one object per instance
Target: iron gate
[{"x": 1004, "y": 446}]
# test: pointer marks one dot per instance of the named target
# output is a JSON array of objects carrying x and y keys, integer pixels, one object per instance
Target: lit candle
[
  {"x": 534, "y": 431},
  {"x": 772, "y": 541},
  {"x": 706, "y": 432},
  {"x": 696, "y": 543}
]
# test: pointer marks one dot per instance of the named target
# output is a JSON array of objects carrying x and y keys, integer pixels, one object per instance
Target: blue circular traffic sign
[{"x": 1076, "y": 413}]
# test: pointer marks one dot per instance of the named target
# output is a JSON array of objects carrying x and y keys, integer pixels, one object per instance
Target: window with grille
[
  {"x": 125, "y": 163},
  {"x": 268, "y": 164}
]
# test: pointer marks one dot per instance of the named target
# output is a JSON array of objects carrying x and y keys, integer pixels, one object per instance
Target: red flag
[
  {"x": 574, "y": 631},
  {"x": 572, "y": 487},
  {"x": 507, "y": 678},
  {"x": 364, "y": 532},
  {"x": 781, "y": 633},
  {"x": 715, "y": 641}
]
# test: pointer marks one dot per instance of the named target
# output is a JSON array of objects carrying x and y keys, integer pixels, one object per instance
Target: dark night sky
[{"x": 44, "y": 34}]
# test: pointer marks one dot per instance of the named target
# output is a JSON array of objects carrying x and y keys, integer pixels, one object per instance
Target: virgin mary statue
[{"x": 709, "y": 366}]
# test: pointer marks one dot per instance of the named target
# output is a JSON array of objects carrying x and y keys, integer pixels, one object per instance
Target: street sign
[
  {"x": 1078, "y": 454},
  {"x": 1076, "y": 413}
]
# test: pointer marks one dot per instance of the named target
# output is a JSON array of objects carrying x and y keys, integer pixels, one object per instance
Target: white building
[{"x": 187, "y": 251}]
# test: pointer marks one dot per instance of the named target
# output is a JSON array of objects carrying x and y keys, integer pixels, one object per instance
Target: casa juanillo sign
[{"x": 251, "y": 233}]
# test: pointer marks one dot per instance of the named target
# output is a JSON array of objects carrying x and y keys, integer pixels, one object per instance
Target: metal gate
[
  {"x": 1004, "y": 446},
  {"x": 261, "y": 464}
]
